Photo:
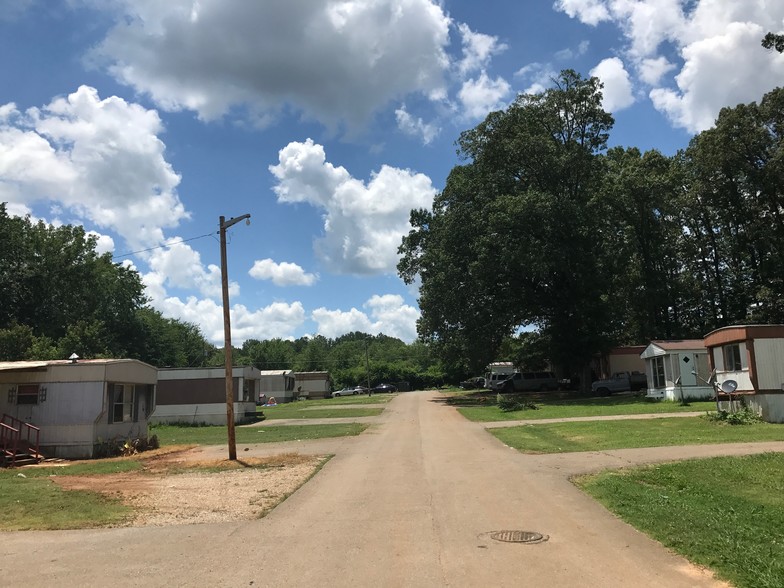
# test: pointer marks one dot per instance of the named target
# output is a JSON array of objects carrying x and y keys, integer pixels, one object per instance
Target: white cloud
[
  {"x": 651, "y": 71},
  {"x": 617, "y": 92},
  {"x": 478, "y": 49},
  {"x": 282, "y": 274},
  {"x": 415, "y": 127},
  {"x": 710, "y": 48},
  {"x": 568, "y": 53},
  {"x": 102, "y": 160},
  {"x": 180, "y": 266},
  {"x": 335, "y": 61},
  {"x": 103, "y": 244},
  {"x": 334, "y": 323},
  {"x": 279, "y": 319},
  {"x": 710, "y": 80},
  {"x": 363, "y": 222},
  {"x": 392, "y": 317},
  {"x": 388, "y": 315},
  {"x": 483, "y": 95},
  {"x": 590, "y": 12},
  {"x": 539, "y": 77}
]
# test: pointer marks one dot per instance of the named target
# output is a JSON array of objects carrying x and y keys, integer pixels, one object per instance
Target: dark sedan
[{"x": 385, "y": 388}]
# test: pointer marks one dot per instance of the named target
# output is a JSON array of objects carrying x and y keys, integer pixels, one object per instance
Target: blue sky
[{"x": 326, "y": 121}]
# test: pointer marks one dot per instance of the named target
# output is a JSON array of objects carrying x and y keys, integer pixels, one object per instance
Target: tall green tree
[
  {"x": 512, "y": 239},
  {"x": 733, "y": 213},
  {"x": 637, "y": 209},
  {"x": 60, "y": 296}
]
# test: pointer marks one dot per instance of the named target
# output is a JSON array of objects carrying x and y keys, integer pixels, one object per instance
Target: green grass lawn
[
  {"x": 306, "y": 410},
  {"x": 34, "y": 501},
  {"x": 217, "y": 435},
  {"x": 602, "y": 435},
  {"x": 724, "y": 513},
  {"x": 358, "y": 399},
  {"x": 482, "y": 408}
]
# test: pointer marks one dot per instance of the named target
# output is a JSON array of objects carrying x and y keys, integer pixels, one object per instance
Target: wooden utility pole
[
  {"x": 367, "y": 367},
  {"x": 224, "y": 224}
]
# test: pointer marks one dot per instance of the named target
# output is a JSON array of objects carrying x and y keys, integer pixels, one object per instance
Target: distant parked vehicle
[
  {"x": 345, "y": 392},
  {"x": 620, "y": 382},
  {"x": 385, "y": 388},
  {"x": 528, "y": 382},
  {"x": 473, "y": 383}
]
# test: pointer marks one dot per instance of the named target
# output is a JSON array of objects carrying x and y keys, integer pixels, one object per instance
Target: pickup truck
[{"x": 620, "y": 382}]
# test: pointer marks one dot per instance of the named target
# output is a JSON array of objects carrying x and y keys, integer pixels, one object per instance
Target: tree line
[
  {"x": 543, "y": 226},
  {"x": 59, "y": 296}
]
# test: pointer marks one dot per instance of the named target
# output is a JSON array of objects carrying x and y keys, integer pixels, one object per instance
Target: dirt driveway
[{"x": 410, "y": 502}]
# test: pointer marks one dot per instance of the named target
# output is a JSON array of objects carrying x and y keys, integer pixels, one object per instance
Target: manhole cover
[{"x": 518, "y": 536}]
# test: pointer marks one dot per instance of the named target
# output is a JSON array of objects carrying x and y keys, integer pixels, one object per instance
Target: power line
[{"x": 162, "y": 246}]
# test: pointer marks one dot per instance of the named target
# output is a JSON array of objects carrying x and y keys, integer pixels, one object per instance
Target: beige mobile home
[{"x": 78, "y": 404}]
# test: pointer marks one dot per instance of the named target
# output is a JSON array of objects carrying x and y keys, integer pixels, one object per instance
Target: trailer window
[
  {"x": 658, "y": 372},
  {"x": 732, "y": 361},
  {"x": 122, "y": 403},
  {"x": 27, "y": 394}
]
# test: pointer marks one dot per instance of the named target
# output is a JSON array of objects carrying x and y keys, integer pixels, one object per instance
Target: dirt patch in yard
[{"x": 174, "y": 489}]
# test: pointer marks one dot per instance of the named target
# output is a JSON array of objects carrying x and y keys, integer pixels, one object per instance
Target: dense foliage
[
  {"x": 59, "y": 296},
  {"x": 351, "y": 359},
  {"x": 544, "y": 226}
]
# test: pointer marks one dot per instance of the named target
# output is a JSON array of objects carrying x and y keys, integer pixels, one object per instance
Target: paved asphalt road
[{"x": 410, "y": 502}]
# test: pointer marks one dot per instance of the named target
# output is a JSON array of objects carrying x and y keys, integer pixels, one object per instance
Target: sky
[{"x": 327, "y": 121}]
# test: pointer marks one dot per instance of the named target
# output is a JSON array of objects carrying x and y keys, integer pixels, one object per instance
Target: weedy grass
[
  {"x": 30, "y": 499},
  {"x": 724, "y": 513}
]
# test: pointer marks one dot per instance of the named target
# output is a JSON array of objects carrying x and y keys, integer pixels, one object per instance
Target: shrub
[
  {"x": 120, "y": 446},
  {"x": 509, "y": 403},
  {"x": 742, "y": 416}
]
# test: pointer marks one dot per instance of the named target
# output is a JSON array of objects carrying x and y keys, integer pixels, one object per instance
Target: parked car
[
  {"x": 344, "y": 392},
  {"x": 384, "y": 388},
  {"x": 473, "y": 383},
  {"x": 528, "y": 382},
  {"x": 620, "y": 382}
]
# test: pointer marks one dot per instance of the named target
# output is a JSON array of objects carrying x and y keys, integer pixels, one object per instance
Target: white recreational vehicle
[{"x": 497, "y": 371}]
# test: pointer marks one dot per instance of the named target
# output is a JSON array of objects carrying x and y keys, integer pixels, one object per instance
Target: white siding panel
[
  {"x": 718, "y": 359},
  {"x": 769, "y": 355},
  {"x": 211, "y": 414}
]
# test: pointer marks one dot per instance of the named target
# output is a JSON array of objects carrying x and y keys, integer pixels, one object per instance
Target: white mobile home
[
  {"x": 677, "y": 370},
  {"x": 752, "y": 356},
  {"x": 278, "y": 384},
  {"x": 312, "y": 384},
  {"x": 198, "y": 395},
  {"x": 78, "y": 404}
]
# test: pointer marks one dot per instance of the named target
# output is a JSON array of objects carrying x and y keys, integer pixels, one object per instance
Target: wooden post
[{"x": 227, "y": 344}]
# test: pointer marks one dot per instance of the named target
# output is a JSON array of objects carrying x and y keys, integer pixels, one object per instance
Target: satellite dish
[{"x": 728, "y": 386}]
